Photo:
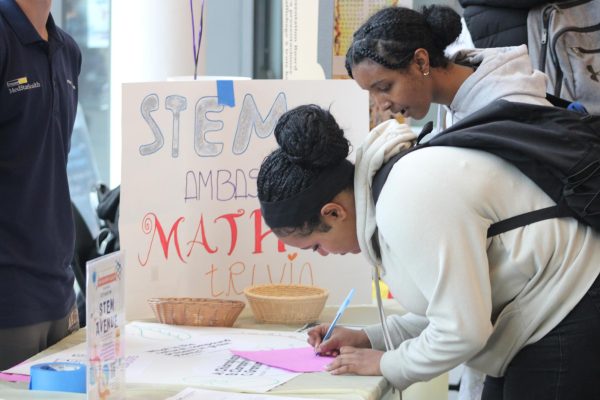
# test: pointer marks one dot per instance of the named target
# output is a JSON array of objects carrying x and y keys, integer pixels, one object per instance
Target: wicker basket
[
  {"x": 286, "y": 304},
  {"x": 196, "y": 312}
]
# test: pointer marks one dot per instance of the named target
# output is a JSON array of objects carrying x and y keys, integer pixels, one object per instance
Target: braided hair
[
  {"x": 391, "y": 36},
  {"x": 310, "y": 140}
]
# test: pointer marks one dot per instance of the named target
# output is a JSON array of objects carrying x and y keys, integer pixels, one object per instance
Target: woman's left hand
[{"x": 352, "y": 360}]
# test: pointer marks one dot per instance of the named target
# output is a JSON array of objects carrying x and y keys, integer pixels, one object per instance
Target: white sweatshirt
[
  {"x": 502, "y": 73},
  {"x": 470, "y": 299}
]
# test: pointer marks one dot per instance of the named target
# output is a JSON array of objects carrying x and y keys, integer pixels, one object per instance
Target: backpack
[
  {"x": 564, "y": 42},
  {"x": 557, "y": 148},
  {"x": 108, "y": 211},
  {"x": 88, "y": 247}
]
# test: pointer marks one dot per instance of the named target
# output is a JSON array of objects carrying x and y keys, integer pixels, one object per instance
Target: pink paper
[
  {"x": 297, "y": 360},
  {"x": 13, "y": 377}
]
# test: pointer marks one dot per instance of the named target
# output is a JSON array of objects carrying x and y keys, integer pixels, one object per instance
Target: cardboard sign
[{"x": 190, "y": 220}]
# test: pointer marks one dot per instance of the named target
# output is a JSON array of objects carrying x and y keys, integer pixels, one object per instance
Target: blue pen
[{"x": 338, "y": 315}]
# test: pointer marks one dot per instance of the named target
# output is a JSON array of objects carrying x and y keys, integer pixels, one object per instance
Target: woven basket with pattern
[
  {"x": 286, "y": 304},
  {"x": 196, "y": 311}
]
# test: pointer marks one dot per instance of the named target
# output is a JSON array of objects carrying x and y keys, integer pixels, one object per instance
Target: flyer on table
[{"x": 105, "y": 326}]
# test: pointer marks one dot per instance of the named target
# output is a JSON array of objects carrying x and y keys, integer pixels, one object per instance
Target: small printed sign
[{"x": 105, "y": 304}]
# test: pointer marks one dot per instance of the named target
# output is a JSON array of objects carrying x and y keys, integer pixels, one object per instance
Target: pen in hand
[{"x": 339, "y": 313}]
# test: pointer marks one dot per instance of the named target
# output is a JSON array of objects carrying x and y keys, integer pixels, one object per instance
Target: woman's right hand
[{"x": 340, "y": 337}]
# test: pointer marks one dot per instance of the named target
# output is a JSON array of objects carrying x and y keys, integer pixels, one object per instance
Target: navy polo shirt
[{"x": 38, "y": 102}]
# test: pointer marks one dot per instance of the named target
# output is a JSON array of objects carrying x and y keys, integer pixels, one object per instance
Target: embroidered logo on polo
[{"x": 20, "y": 84}]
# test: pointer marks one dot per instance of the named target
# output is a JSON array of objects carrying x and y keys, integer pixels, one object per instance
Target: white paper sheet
[
  {"x": 201, "y": 394},
  {"x": 193, "y": 356}
]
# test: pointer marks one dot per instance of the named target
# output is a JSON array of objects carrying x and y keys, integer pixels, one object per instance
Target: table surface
[{"x": 315, "y": 385}]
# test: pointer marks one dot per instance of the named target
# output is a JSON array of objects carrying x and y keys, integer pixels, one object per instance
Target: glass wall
[{"x": 88, "y": 22}]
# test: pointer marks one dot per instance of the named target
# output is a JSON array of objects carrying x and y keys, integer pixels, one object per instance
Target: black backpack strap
[
  {"x": 557, "y": 101},
  {"x": 383, "y": 172},
  {"x": 426, "y": 130},
  {"x": 556, "y": 211},
  {"x": 381, "y": 176},
  {"x": 566, "y": 104}
]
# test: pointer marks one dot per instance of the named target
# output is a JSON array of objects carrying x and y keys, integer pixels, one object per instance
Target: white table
[{"x": 319, "y": 384}]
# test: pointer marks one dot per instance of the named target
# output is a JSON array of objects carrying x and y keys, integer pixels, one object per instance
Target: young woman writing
[{"x": 522, "y": 306}]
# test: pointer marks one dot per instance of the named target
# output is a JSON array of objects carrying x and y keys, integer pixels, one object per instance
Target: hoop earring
[{"x": 426, "y": 73}]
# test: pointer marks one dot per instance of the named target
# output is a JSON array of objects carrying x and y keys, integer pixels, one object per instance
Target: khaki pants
[{"x": 20, "y": 343}]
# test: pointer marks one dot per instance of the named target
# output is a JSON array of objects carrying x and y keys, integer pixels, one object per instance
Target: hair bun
[
  {"x": 444, "y": 22},
  {"x": 310, "y": 137}
]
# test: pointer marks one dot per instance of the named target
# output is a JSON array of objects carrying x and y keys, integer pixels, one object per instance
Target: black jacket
[{"x": 498, "y": 23}]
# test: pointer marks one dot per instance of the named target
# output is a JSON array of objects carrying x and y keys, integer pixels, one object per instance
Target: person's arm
[{"x": 400, "y": 327}]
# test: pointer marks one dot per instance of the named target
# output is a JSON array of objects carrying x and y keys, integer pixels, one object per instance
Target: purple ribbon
[{"x": 196, "y": 49}]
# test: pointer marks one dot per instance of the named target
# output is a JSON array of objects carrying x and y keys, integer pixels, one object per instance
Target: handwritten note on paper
[
  {"x": 201, "y": 356},
  {"x": 297, "y": 359},
  {"x": 201, "y": 394},
  {"x": 194, "y": 356}
]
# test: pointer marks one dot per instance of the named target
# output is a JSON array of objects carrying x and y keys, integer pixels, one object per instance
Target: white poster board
[
  {"x": 300, "y": 39},
  {"x": 190, "y": 221}
]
